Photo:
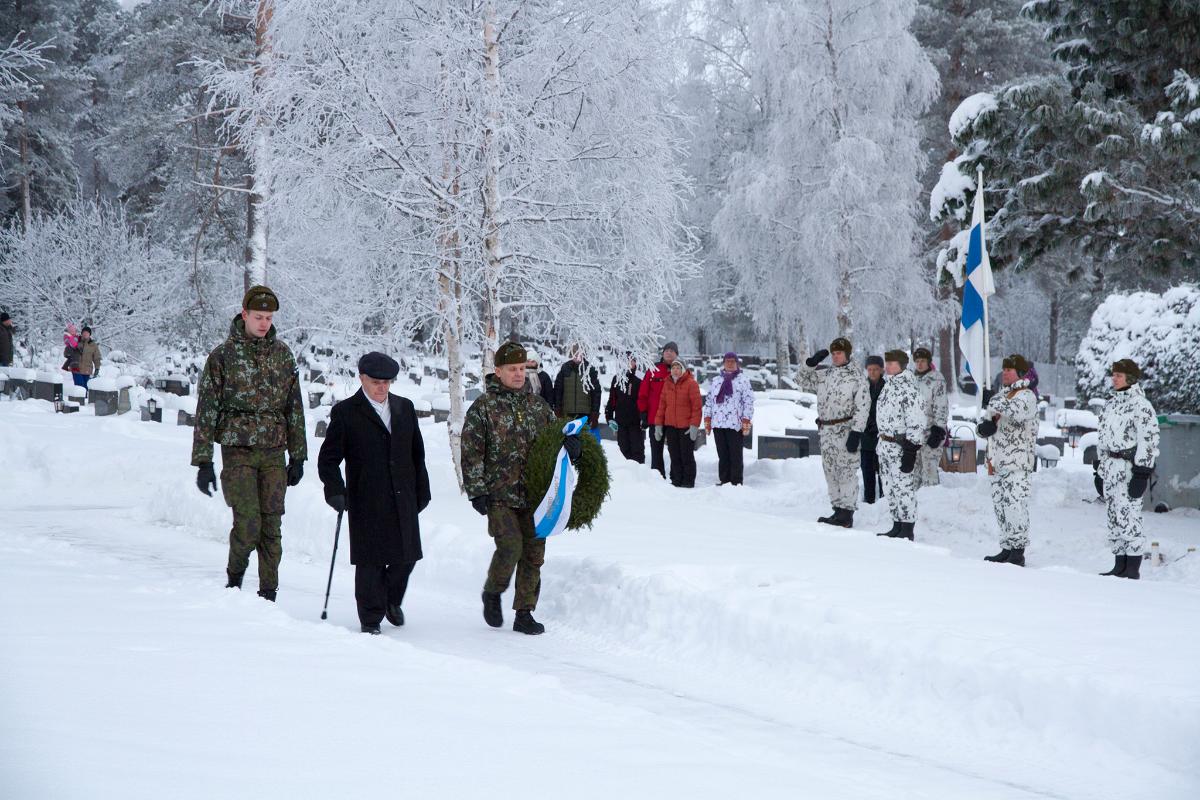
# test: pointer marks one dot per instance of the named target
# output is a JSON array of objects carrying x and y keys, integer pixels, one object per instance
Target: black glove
[
  {"x": 645, "y": 421},
  {"x": 937, "y": 435},
  {"x": 480, "y": 504},
  {"x": 1139, "y": 481},
  {"x": 986, "y": 428},
  {"x": 816, "y": 358},
  {"x": 337, "y": 502},
  {"x": 908, "y": 459},
  {"x": 852, "y": 441},
  {"x": 574, "y": 448},
  {"x": 206, "y": 478},
  {"x": 1096, "y": 479},
  {"x": 295, "y": 471}
]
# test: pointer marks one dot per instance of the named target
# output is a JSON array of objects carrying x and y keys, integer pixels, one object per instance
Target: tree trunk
[
  {"x": 781, "y": 350},
  {"x": 258, "y": 181},
  {"x": 23, "y": 154},
  {"x": 845, "y": 301},
  {"x": 491, "y": 188},
  {"x": 1055, "y": 311},
  {"x": 450, "y": 282}
]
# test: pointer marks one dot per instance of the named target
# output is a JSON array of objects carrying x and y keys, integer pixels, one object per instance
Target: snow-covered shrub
[{"x": 1161, "y": 332}]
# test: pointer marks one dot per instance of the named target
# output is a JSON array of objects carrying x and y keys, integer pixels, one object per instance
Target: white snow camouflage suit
[
  {"x": 843, "y": 400},
  {"x": 1011, "y": 454},
  {"x": 1128, "y": 436},
  {"x": 900, "y": 414},
  {"x": 937, "y": 409}
]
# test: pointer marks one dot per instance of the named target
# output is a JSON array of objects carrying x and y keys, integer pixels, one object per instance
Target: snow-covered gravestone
[
  {"x": 47, "y": 385},
  {"x": 108, "y": 397}
]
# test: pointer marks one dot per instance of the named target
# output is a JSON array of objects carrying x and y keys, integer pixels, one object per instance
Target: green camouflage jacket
[
  {"x": 249, "y": 397},
  {"x": 498, "y": 431}
]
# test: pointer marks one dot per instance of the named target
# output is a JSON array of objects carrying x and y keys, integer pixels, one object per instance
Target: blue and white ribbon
[{"x": 554, "y": 511}]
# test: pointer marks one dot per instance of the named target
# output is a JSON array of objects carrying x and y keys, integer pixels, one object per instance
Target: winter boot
[
  {"x": 906, "y": 531},
  {"x": 845, "y": 517},
  {"x": 1017, "y": 556},
  {"x": 1133, "y": 567},
  {"x": 832, "y": 519},
  {"x": 1118, "y": 567},
  {"x": 234, "y": 582},
  {"x": 371, "y": 629},
  {"x": 267, "y": 594},
  {"x": 492, "y": 614},
  {"x": 894, "y": 532},
  {"x": 394, "y": 615},
  {"x": 1001, "y": 557},
  {"x": 525, "y": 623}
]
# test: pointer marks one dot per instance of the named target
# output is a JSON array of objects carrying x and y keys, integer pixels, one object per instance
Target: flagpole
[{"x": 987, "y": 346}]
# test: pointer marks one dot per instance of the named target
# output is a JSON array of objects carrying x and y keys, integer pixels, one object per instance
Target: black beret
[
  {"x": 875, "y": 361},
  {"x": 510, "y": 353},
  {"x": 378, "y": 366}
]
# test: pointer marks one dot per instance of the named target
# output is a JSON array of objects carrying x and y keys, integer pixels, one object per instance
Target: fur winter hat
[
  {"x": 922, "y": 352},
  {"x": 841, "y": 344},
  {"x": 511, "y": 353},
  {"x": 1016, "y": 361},
  {"x": 1129, "y": 368},
  {"x": 260, "y": 298},
  {"x": 899, "y": 356}
]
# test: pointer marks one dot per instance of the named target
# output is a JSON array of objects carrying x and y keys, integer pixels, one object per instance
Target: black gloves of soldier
[
  {"x": 295, "y": 471},
  {"x": 1096, "y": 479},
  {"x": 1139, "y": 481},
  {"x": 337, "y": 502},
  {"x": 908, "y": 459},
  {"x": 852, "y": 441},
  {"x": 574, "y": 448},
  {"x": 645, "y": 420},
  {"x": 937, "y": 435},
  {"x": 480, "y": 504},
  {"x": 816, "y": 358},
  {"x": 206, "y": 478},
  {"x": 986, "y": 428}
]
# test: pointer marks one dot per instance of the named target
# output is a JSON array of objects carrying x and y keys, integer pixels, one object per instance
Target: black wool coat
[{"x": 386, "y": 484}]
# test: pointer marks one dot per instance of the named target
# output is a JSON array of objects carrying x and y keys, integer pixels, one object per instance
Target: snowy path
[{"x": 701, "y": 648}]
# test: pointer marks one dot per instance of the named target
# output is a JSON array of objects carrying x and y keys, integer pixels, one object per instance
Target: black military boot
[
  {"x": 1133, "y": 567},
  {"x": 845, "y": 518},
  {"x": 525, "y": 623},
  {"x": 234, "y": 582},
  {"x": 906, "y": 531},
  {"x": 832, "y": 519},
  {"x": 267, "y": 594},
  {"x": 999, "y": 558},
  {"x": 371, "y": 629},
  {"x": 894, "y": 532},
  {"x": 1118, "y": 567},
  {"x": 394, "y": 615},
  {"x": 1017, "y": 556},
  {"x": 492, "y": 614}
]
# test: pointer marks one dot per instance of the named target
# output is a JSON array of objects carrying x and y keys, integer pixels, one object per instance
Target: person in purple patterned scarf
[{"x": 729, "y": 410}]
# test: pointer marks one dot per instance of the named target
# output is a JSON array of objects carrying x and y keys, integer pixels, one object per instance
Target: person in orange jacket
[{"x": 677, "y": 420}]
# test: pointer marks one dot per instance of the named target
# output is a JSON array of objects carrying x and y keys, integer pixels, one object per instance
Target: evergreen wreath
[{"x": 591, "y": 488}]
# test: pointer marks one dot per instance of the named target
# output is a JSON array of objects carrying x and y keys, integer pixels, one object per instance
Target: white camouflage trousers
[
  {"x": 840, "y": 465},
  {"x": 900, "y": 489},
  {"x": 1124, "y": 513},
  {"x": 926, "y": 471},
  {"x": 1010, "y": 501}
]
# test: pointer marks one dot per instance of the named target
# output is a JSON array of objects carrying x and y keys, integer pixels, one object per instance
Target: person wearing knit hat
[
  {"x": 1127, "y": 453},
  {"x": 902, "y": 418},
  {"x": 249, "y": 403},
  {"x": 537, "y": 380},
  {"x": 869, "y": 442},
  {"x": 843, "y": 404},
  {"x": 677, "y": 422},
  {"x": 937, "y": 409},
  {"x": 728, "y": 413},
  {"x": 649, "y": 395},
  {"x": 1011, "y": 427}
]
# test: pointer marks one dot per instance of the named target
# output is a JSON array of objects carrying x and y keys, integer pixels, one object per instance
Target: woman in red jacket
[
  {"x": 647, "y": 403},
  {"x": 678, "y": 421}
]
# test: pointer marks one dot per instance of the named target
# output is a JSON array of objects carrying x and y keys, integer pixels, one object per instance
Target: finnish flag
[
  {"x": 554, "y": 511},
  {"x": 977, "y": 287}
]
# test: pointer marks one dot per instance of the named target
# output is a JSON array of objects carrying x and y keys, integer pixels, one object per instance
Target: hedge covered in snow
[{"x": 1161, "y": 332}]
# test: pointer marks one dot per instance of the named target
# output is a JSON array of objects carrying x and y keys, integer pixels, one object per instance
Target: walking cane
[{"x": 336, "y": 533}]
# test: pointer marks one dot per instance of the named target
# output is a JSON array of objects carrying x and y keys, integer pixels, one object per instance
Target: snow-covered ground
[{"x": 706, "y": 643}]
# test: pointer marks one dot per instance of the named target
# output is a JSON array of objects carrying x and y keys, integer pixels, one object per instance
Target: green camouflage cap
[
  {"x": 510, "y": 353},
  {"x": 260, "y": 298}
]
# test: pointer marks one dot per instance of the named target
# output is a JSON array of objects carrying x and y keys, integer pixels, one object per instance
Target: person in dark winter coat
[
  {"x": 577, "y": 392},
  {"x": 622, "y": 408},
  {"x": 6, "y": 340},
  {"x": 537, "y": 380},
  {"x": 869, "y": 448},
  {"x": 386, "y": 488},
  {"x": 649, "y": 394}
]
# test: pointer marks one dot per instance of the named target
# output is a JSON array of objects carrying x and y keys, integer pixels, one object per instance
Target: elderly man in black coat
[{"x": 386, "y": 487}]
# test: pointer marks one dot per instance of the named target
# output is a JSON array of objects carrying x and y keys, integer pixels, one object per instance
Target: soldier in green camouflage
[
  {"x": 249, "y": 403},
  {"x": 499, "y": 429}
]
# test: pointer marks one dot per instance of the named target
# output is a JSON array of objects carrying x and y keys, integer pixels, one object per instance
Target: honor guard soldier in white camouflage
[
  {"x": 901, "y": 416},
  {"x": 937, "y": 410},
  {"x": 1011, "y": 423},
  {"x": 1127, "y": 451}
]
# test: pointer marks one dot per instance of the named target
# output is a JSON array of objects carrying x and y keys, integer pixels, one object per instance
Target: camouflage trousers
[
  {"x": 926, "y": 471},
  {"x": 253, "y": 481},
  {"x": 901, "y": 489},
  {"x": 516, "y": 548},
  {"x": 1124, "y": 513},
  {"x": 1010, "y": 501},
  {"x": 840, "y": 465}
]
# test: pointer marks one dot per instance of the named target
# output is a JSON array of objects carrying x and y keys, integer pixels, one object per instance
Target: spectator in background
[
  {"x": 869, "y": 448},
  {"x": 537, "y": 380},
  {"x": 729, "y": 409},
  {"x": 649, "y": 394},
  {"x": 71, "y": 349},
  {"x": 6, "y": 340},
  {"x": 678, "y": 423},
  {"x": 577, "y": 391},
  {"x": 89, "y": 358},
  {"x": 622, "y": 408}
]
